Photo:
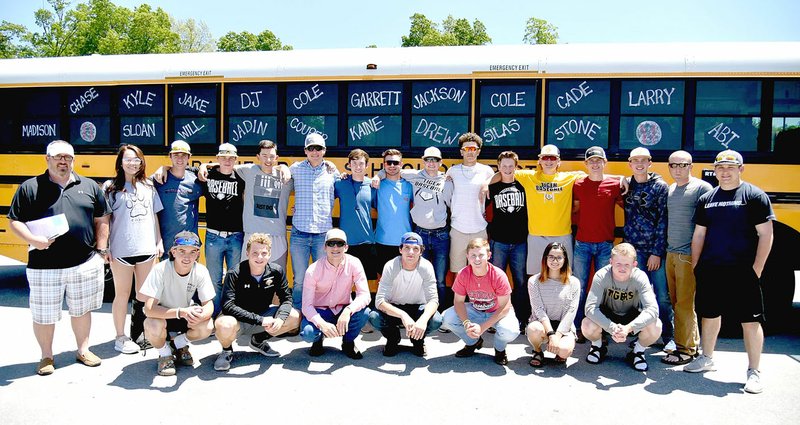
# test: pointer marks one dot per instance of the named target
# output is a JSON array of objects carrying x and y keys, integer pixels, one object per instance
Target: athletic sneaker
[
  {"x": 183, "y": 356},
  {"x": 263, "y": 347},
  {"x": 753, "y": 384},
  {"x": 702, "y": 363},
  {"x": 143, "y": 343},
  {"x": 125, "y": 345},
  {"x": 223, "y": 361}
]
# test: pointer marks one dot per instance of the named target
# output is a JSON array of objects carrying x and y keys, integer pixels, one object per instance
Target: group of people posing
[{"x": 687, "y": 247}]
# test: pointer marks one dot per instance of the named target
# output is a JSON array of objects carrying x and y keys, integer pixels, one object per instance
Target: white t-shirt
[
  {"x": 466, "y": 209},
  {"x": 174, "y": 291}
]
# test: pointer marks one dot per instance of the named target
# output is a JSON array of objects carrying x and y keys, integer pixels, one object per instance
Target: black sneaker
[
  {"x": 469, "y": 350},
  {"x": 418, "y": 348},
  {"x": 350, "y": 350},
  {"x": 317, "y": 349},
  {"x": 500, "y": 357},
  {"x": 391, "y": 349},
  {"x": 263, "y": 347}
]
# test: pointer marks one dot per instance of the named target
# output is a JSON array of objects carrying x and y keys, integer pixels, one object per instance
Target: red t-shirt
[
  {"x": 482, "y": 291},
  {"x": 595, "y": 218}
]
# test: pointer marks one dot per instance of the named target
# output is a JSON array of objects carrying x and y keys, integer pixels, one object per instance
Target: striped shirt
[
  {"x": 553, "y": 300},
  {"x": 313, "y": 196}
]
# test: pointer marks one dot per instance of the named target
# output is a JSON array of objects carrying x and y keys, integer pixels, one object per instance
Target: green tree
[
  {"x": 454, "y": 32},
  {"x": 539, "y": 31},
  {"x": 194, "y": 36},
  {"x": 57, "y": 30},
  {"x": 150, "y": 31},
  {"x": 246, "y": 41},
  {"x": 12, "y": 38}
]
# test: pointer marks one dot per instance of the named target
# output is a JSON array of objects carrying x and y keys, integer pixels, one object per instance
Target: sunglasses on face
[
  {"x": 337, "y": 244},
  {"x": 680, "y": 164},
  {"x": 431, "y": 159},
  {"x": 548, "y": 158},
  {"x": 392, "y": 162},
  {"x": 314, "y": 148},
  {"x": 469, "y": 149}
]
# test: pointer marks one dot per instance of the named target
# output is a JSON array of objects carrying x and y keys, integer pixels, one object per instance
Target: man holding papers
[{"x": 71, "y": 263}]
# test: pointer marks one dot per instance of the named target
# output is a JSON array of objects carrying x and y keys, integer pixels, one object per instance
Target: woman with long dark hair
[
  {"x": 554, "y": 295},
  {"x": 135, "y": 240}
]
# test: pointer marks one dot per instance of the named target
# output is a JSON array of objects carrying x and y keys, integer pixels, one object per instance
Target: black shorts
[
  {"x": 366, "y": 254},
  {"x": 616, "y": 318},
  {"x": 180, "y": 326},
  {"x": 732, "y": 291}
]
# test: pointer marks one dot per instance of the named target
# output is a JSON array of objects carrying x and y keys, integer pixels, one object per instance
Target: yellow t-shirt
[{"x": 549, "y": 201}]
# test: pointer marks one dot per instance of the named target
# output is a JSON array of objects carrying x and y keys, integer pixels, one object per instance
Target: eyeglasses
[
  {"x": 431, "y": 159},
  {"x": 555, "y": 258},
  {"x": 314, "y": 148},
  {"x": 337, "y": 244},
  {"x": 469, "y": 149},
  {"x": 63, "y": 158},
  {"x": 392, "y": 162},
  {"x": 548, "y": 158},
  {"x": 134, "y": 161},
  {"x": 680, "y": 164}
]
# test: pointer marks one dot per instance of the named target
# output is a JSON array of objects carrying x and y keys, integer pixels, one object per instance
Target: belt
[
  {"x": 441, "y": 229},
  {"x": 221, "y": 234}
]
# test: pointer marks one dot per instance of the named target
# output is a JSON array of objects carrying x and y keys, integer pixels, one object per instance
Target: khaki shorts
[
  {"x": 458, "y": 247},
  {"x": 536, "y": 246}
]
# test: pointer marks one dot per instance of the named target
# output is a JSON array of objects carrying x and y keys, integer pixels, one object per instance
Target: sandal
[
  {"x": 559, "y": 359},
  {"x": 596, "y": 354},
  {"x": 637, "y": 361},
  {"x": 537, "y": 360},
  {"x": 676, "y": 358}
]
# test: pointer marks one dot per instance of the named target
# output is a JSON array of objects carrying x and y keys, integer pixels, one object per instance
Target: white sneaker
[
  {"x": 223, "y": 361},
  {"x": 702, "y": 363},
  {"x": 753, "y": 384},
  {"x": 670, "y": 347},
  {"x": 125, "y": 345}
]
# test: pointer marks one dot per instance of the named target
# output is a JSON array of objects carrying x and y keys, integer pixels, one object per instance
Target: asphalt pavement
[{"x": 333, "y": 389}]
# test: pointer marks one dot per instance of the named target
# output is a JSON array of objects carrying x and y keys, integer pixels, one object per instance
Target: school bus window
[
  {"x": 728, "y": 98},
  {"x": 375, "y": 114},
  {"x": 312, "y": 108},
  {"x": 194, "y": 113}
]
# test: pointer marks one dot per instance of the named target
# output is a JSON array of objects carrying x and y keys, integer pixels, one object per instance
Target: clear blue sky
[{"x": 358, "y": 23}]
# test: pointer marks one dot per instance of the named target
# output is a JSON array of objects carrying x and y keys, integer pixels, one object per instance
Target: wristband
[
  {"x": 466, "y": 323},
  {"x": 178, "y": 313}
]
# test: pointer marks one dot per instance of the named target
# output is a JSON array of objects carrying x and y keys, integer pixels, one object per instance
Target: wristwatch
[
  {"x": 103, "y": 251},
  {"x": 551, "y": 333}
]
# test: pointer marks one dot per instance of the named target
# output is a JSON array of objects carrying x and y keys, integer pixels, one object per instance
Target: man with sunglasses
[
  {"x": 168, "y": 294},
  {"x": 393, "y": 202},
  {"x": 432, "y": 196},
  {"x": 329, "y": 310},
  {"x": 645, "y": 228},
  {"x": 681, "y": 203},
  {"x": 68, "y": 260},
  {"x": 314, "y": 180},
  {"x": 730, "y": 245},
  {"x": 467, "y": 209}
]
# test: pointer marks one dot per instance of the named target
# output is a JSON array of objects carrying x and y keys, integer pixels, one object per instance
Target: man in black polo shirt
[
  {"x": 248, "y": 293},
  {"x": 63, "y": 258}
]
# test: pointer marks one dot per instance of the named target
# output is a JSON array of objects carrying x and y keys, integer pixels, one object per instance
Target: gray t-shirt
[
  {"x": 681, "y": 203},
  {"x": 133, "y": 220},
  {"x": 431, "y": 198},
  {"x": 175, "y": 291},
  {"x": 266, "y": 200},
  {"x": 621, "y": 298},
  {"x": 399, "y": 286}
]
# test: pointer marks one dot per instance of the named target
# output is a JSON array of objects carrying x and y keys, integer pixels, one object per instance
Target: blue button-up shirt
[{"x": 313, "y": 197}]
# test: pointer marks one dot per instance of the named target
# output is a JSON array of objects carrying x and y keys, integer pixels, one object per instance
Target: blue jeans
[
  {"x": 658, "y": 279},
  {"x": 310, "y": 333},
  {"x": 515, "y": 254},
  {"x": 303, "y": 246},
  {"x": 437, "y": 251},
  {"x": 507, "y": 327},
  {"x": 584, "y": 253},
  {"x": 389, "y": 326},
  {"x": 219, "y": 250}
]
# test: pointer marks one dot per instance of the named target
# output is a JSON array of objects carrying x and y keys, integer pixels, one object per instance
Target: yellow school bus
[{"x": 700, "y": 97}]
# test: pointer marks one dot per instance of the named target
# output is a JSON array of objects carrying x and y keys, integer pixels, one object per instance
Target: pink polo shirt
[{"x": 326, "y": 286}]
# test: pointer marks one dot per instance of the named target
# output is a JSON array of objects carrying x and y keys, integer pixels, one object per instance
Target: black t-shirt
[
  {"x": 224, "y": 201},
  {"x": 730, "y": 217},
  {"x": 81, "y": 202},
  {"x": 507, "y": 206}
]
